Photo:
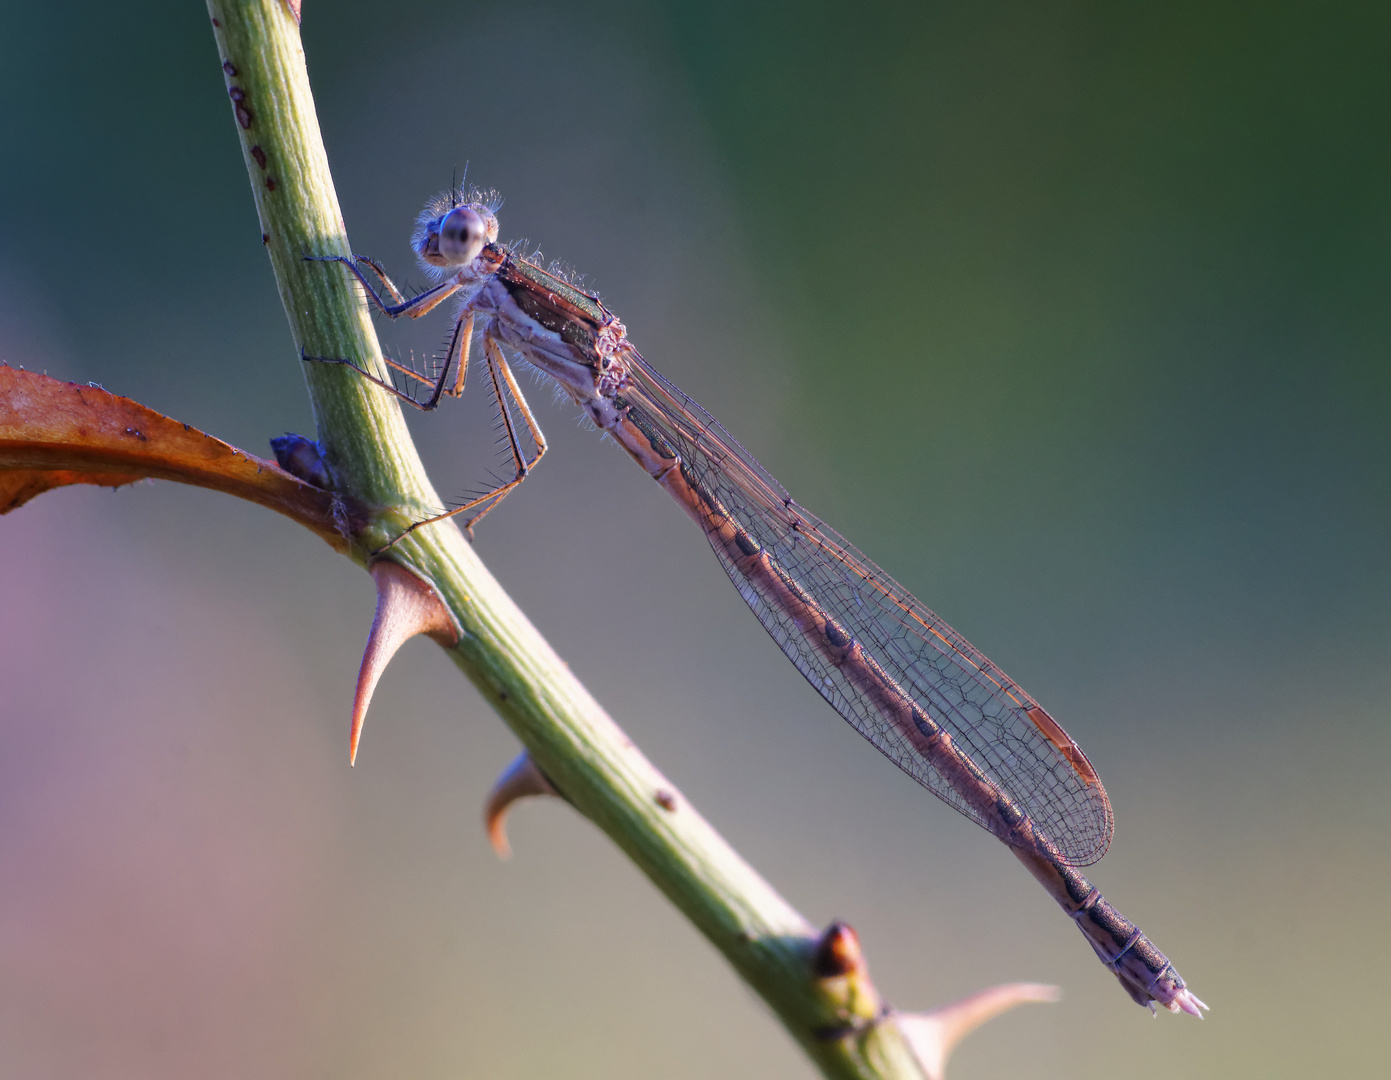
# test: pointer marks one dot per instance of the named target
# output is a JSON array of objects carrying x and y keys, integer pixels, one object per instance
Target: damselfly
[{"x": 909, "y": 683}]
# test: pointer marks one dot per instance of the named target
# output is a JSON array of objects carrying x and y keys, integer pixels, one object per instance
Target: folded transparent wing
[{"x": 1008, "y": 741}]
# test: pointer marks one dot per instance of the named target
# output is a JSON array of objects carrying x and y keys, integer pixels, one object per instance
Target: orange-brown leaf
[
  {"x": 54, "y": 433},
  {"x": 18, "y": 486}
]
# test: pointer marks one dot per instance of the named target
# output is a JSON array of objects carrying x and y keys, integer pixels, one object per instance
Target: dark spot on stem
[
  {"x": 259, "y": 155},
  {"x": 229, "y": 69},
  {"x": 238, "y": 95},
  {"x": 666, "y": 800},
  {"x": 270, "y": 183}
]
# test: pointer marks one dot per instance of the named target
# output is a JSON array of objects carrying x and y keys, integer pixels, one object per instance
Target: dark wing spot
[
  {"x": 924, "y": 723},
  {"x": 836, "y": 634}
]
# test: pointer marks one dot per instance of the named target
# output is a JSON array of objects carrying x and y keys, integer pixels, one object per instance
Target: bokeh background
[{"x": 1073, "y": 316}]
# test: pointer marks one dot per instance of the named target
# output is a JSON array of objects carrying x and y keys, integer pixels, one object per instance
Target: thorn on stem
[
  {"x": 406, "y": 606},
  {"x": 519, "y": 780},
  {"x": 838, "y": 953},
  {"x": 933, "y": 1036}
]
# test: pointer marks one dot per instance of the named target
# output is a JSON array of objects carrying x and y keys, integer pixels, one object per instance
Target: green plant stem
[{"x": 565, "y": 730}]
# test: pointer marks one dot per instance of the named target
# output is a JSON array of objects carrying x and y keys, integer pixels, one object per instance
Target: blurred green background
[{"x": 1072, "y": 316}]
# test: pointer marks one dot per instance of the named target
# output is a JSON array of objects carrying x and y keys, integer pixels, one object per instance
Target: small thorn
[
  {"x": 406, "y": 606},
  {"x": 933, "y": 1036},
  {"x": 519, "y": 780},
  {"x": 842, "y": 981},
  {"x": 838, "y": 953}
]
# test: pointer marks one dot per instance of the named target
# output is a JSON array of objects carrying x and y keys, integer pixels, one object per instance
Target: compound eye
[{"x": 463, "y": 233}]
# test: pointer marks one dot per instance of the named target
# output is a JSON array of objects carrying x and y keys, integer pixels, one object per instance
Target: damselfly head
[{"x": 455, "y": 238}]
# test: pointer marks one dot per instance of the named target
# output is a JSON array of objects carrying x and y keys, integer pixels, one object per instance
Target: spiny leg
[
  {"x": 494, "y": 352},
  {"x": 467, "y": 339},
  {"x": 463, "y": 333},
  {"x": 414, "y": 308},
  {"x": 388, "y": 387},
  {"x": 458, "y": 343},
  {"x": 498, "y": 367},
  {"x": 389, "y": 285},
  {"x": 502, "y": 376},
  {"x": 408, "y": 371}
]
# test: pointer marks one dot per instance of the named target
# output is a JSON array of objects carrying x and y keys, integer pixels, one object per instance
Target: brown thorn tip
[
  {"x": 838, "y": 952},
  {"x": 406, "y": 606},
  {"x": 933, "y": 1036},
  {"x": 519, "y": 780}
]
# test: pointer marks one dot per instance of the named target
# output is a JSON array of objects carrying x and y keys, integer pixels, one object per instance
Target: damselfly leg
[
  {"x": 414, "y": 308},
  {"x": 456, "y": 360}
]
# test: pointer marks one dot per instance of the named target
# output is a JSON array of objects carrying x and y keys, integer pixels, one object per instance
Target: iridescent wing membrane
[{"x": 906, "y": 674}]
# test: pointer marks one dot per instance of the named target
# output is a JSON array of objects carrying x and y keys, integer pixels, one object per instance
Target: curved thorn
[
  {"x": 406, "y": 606},
  {"x": 518, "y": 781},
  {"x": 933, "y": 1036}
]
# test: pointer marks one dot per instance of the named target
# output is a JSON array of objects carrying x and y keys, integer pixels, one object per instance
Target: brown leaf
[
  {"x": 54, "y": 433},
  {"x": 18, "y": 486}
]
